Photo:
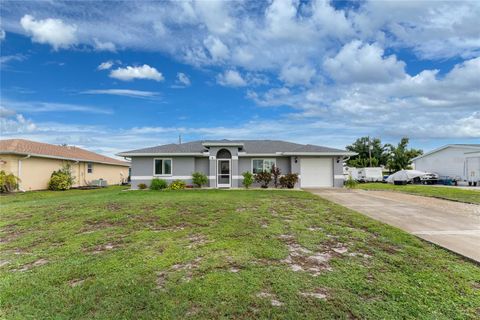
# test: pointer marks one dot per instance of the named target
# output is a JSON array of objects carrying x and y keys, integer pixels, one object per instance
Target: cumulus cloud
[
  {"x": 105, "y": 65},
  {"x": 231, "y": 78},
  {"x": 51, "y": 31},
  {"x": 140, "y": 72},
  {"x": 122, "y": 92},
  {"x": 182, "y": 80},
  {"x": 217, "y": 49},
  {"x": 358, "y": 62},
  {"x": 297, "y": 75},
  {"x": 104, "y": 46},
  {"x": 11, "y": 122}
]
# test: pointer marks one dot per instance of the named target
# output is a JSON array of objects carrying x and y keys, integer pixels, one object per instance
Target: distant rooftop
[{"x": 28, "y": 147}]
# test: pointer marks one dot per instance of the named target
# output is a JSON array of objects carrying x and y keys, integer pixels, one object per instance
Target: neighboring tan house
[
  {"x": 446, "y": 161},
  {"x": 33, "y": 162},
  {"x": 224, "y": 161}
]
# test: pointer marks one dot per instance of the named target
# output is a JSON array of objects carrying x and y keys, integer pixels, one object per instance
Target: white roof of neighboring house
[{"x": 474, "y": 147}]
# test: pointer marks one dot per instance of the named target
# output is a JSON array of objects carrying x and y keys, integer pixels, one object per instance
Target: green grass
[
  {"x": 209, "y": 254},
  {"x": 448, "y": 193}
]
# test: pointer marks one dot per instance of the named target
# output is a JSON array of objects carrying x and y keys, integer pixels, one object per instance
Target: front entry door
[{"x": 223, "y": 174}]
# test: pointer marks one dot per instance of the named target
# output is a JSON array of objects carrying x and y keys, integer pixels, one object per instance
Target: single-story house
[
  {"x": 224, "y": 161},
  {"x": 33, "y": 162},
  {"x": 446, "y": 161}
]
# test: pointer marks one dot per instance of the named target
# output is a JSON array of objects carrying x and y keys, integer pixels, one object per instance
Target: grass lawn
[
  {"x": 209, "y": 254},
  {"x": 449, "y": 193}
]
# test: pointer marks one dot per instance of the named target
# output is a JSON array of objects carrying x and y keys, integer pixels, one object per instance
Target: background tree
[
  {"x": 400, "y": 157},
  {"x": 361, "y": 145}
]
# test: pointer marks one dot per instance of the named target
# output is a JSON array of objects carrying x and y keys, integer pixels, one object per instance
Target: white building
[{"x": 447, "y": 161}]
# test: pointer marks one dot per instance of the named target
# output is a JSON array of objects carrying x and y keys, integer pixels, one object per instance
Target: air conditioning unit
[{"x": 100, "y": 183}]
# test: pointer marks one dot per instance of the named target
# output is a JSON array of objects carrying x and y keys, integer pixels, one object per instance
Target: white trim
[
  {"x": 234, "y": 157},
  {"x": 339, "y": 176},
  {"x": 161, "y": 154},
  {"x": 213, "y": 158},
  {"x": 161, "y": 177},
  {"x": 253, "y": 159},
  {"x": 229, "y": 185},
  {"x": 163, "y": 167},
  {"x": 211, "y": 177},
  {"x": 445, "y": 147},
  {"x": 237, "y": 177},
  {"x": 223, "y": 144},
  {"x": 340, "y": 153}
]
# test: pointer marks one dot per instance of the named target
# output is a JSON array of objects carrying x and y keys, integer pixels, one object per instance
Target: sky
[{"x": 117, "y": 76}]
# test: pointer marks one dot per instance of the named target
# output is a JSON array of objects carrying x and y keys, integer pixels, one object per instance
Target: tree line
[{"x": 372, "y": 153}]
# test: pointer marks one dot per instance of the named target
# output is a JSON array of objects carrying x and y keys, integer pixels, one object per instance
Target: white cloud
[
  {"x": 104, "y": 46},
  {"x": 140, "y": 72},
  {"x": 15, "y": 57},
  {"x": 123, "y": 92},
  {"x": 297, "y": 75},
  {"x": 218, "y": 50},
  {"x": 3, "y": 34},
  {"x": 105, "y": 65},
  {"x": 52, "y": 31},
  {"x": 13, "y": 123},
  {"x": 183, "y": 79},
  {"x": 39, "y": 107},
  {"x": 357, "y": 62},
  {"x": 231, "y": 78}
]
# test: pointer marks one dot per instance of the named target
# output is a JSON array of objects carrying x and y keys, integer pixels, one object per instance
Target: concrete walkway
[{"x": 452, "y": 225}]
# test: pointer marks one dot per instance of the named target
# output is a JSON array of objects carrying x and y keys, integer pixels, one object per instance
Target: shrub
[
  {"x": 61, "y": 179},
  {"x": 8, "y": 182},
  {"x": 199, "y": 179},
  {"x": 350, "y": 182},
  {"x": 289, "y": 180},
  {"x": 158, "y": 184},
  {"x": 142, "y": 186},
  {"x": 177, "y": 185},
  {"x": 263, "y": 178},
  {"x": 275, "y": 175},
  {"x": 247, "y": 179}
]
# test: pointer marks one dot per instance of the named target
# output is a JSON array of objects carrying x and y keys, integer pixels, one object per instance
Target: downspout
[{"x": 20, "y": 172}]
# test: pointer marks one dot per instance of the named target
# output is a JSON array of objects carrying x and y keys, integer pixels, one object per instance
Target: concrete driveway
[{"x": 452, "y": 225}]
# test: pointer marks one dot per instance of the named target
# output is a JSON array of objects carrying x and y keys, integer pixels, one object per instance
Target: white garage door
[{"x": 316, "y": 172}]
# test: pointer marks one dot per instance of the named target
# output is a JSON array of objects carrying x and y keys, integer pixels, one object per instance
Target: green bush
[
  {"x": 61, "y": 179},
  {"x": 263, "y": 178},
  {"x": 158, "y": 184},
  {"x": 8, "y": 182},
  {"x": 177, "y": 185},
  {"x": 199, "y": 179},
  {"x": 247, "y": 179},
  {"x": 350, "y": 182},
  {"x": 289, "y": 180},
  {"x": 142, "y": 186}
]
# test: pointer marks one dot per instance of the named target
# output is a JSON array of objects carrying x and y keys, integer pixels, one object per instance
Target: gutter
[{"x": 20, "y": 172}]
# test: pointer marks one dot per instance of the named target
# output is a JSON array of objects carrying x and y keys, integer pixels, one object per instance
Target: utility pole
[
  {"x": 370, "y": 147},
  {"x": 179, "y": 138}
]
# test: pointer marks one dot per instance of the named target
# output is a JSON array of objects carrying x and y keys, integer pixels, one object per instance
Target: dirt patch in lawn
[
  {"x": 188, "y": 267},
  {"x": 114, "y": 206},
  {"x": 197, "y": 240},
  {"x": 270, "y": 296},
  {"x": 318, "y": 293},
  {"x": 75, "y": 282},
  {"x": 306, "y": 260},
  {"x": 95, "y": 225},
  {"x": 28, "y": 266},
  {"x": 101, "y": 248}
]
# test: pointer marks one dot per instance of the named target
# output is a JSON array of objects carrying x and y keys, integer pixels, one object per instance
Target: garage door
[{"x": 316, "y": 172}]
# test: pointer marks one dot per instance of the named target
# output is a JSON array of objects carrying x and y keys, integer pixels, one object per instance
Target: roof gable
[{"x": 472, "y": 146}]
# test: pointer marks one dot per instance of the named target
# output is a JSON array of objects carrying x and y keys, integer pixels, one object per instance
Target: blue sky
[{"x": 117, "y": 76}]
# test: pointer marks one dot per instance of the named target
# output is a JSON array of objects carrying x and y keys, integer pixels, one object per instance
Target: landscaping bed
[
  {"x": 207, "y": 254},
  {"x": 448, "y": 193}
]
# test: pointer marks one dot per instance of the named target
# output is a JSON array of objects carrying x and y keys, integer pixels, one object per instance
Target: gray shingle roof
[{"x": 250, "y": 147}]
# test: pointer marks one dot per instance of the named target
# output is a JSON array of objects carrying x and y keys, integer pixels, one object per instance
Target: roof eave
[
  {"x": 161, "y": 154},
  {"x": 126, "y": 164},
  {"x": 326, "y": 153}
]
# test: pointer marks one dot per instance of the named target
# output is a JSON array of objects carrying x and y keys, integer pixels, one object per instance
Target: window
[
  {"x": 259, "y": 165},
  {"x": 89, "y": 167},
  {"x": 162, "y": 167}
]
